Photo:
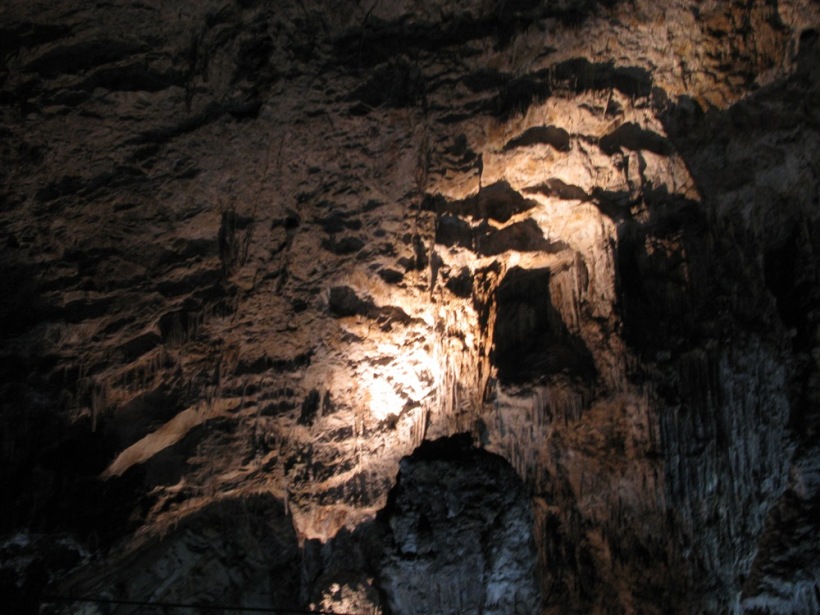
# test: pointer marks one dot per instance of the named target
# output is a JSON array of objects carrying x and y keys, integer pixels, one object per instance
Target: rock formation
[{"x": 410, "y": 307}]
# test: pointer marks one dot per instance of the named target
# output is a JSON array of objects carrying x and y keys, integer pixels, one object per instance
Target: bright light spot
[
  {"x": 399, "y": 375},
  {"x": 384, "y": 400}
]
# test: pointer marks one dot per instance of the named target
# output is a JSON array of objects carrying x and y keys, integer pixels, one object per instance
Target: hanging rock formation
[{"x": 403, "y": 307}]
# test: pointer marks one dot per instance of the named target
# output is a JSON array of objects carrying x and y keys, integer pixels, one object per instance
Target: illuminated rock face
[{"x": 255, "y": 257}]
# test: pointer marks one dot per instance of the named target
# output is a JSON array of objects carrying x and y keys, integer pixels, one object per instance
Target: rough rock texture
[
  {"x": 460, "y": 535},
  {"x": 247, "y": 549},
  {"x": 254, "y": 255}
]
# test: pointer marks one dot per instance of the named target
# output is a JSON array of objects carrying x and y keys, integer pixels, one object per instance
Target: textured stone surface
[
  {"x": 460, "y": 536},
  {"x": 255, "y": 255}
]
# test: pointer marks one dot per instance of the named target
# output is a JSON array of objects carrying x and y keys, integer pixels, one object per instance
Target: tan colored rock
[{"x": 257, "y": 253}]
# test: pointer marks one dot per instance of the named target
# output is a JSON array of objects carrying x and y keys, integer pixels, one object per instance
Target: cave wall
[{"x": 254, "y": 256}]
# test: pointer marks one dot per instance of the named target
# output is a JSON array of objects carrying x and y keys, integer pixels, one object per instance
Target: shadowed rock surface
[{"x": 460, "y": 534}]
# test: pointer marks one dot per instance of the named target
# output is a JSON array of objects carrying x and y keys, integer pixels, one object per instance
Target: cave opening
[{"x": 531, "y": 339}]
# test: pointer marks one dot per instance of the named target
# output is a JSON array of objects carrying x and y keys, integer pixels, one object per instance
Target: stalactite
[
  {"x": 418, "y": 424},
  {"x": 717, "y": 432},
  {"x": 99, "y": 402}
]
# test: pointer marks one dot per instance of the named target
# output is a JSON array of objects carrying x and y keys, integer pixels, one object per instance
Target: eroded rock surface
[
  {"x": 256, "y": 255},
  {"x": 460, "y": 536}
]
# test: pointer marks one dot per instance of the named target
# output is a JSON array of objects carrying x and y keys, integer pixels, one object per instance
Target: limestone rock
[{"x": 257, "y": 257}]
